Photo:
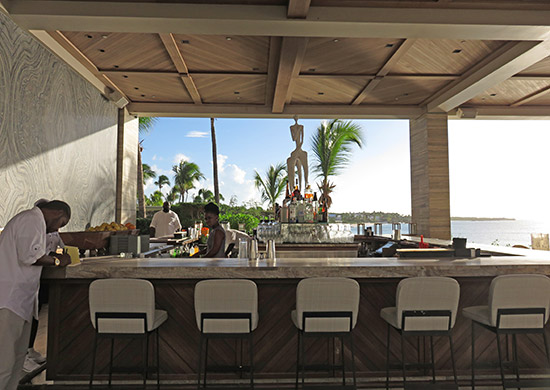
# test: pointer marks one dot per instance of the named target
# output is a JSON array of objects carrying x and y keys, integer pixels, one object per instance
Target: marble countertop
[{"x": 290, "y": 268}]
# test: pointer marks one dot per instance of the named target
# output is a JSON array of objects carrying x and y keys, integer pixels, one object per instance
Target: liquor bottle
[
  {"x": 287, "y": 199},
  {"x": 301, "y": 212},
  {"x": 315, "y": 207},
  {"x": 296, "y": 192},
  {"x": 292, "y": 211},
  {"x": 308, "y": 195}
]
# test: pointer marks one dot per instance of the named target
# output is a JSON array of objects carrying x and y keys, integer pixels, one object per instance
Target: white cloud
[
  {"x": 221, "y": 163},
  {"x": 196, "y": 134},
  {"x": 154, "y": 157},
  {"x": 179, "y": 157},
  {"x": 237, "y": 173}
]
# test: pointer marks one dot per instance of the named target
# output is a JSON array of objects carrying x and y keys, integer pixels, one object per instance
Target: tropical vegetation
[
  {"x": 332, "y": 146},
  {"x": 161, "y": 181},
  {"x": 146, "y": 124},
  {"x": 186, "y": 174},
  {"x": 272, "y": 185}
]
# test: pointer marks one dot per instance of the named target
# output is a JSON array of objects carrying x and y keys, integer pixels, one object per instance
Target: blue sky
[{"x": 497, "y": 168}]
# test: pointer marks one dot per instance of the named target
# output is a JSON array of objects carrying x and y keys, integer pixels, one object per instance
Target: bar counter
[{"x": 70, "y": 333}]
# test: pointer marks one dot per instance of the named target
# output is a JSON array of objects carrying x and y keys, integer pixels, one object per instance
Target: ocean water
[{"x": 502, "y": 233}]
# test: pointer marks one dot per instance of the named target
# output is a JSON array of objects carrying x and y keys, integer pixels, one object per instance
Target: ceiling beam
[
  {"x": 539, "y": 77},
  {"x": 298, "y": 9},
  {"x": 84, "y": 61},
  {"x": 261, "y": 111},
  {"x": 540, "y": 93},
  {"x": 272, "y": 68},
  {"x": 290, "y": 62},
  {"x": 175, "y": 54},
  {"x": 384, "y": 70},
  {"x": 264, "y": 20},
  {"x": 4, "y": 6},
  {"x": 510, "y": 59},
  {"x": 507, "y": 112}
]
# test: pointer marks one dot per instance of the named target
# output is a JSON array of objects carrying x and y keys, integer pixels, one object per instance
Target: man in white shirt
[
  {"x": 23, "y": 252},
  {"x": 165, "y": 222}
]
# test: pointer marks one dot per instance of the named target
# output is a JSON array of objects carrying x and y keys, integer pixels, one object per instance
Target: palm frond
[{"x": 146, "y": 124}]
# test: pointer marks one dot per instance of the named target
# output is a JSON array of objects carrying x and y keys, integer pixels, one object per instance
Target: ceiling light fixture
[
  {"x": 89, "y": 36},
  {"x": 335, "y": 40},
  {"x": 102, "y": 50},
  {"x": 312, "y": 69},
  {"x": 228, "y": 38},
  {"x": 456, "y": 51},
  {"x": 389, "y": 45},
  {"x": 320, "y": 93},
  {"x": 185, "y": 42}
]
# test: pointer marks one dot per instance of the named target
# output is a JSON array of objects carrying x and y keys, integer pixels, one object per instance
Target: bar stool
[
  {"x": 326, "y": 307},
  {"x": 125, "y": 308},
  {"x": 425, "y": 306},
  {"x": 226, "y": 308},
  {"x": 518, "y": 304}
]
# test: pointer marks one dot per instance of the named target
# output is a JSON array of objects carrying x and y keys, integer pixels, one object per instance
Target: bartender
[
  {"x": 215, "y": 246},
  {"x": 165, "y": 222},
  {"x": 23, "y": 252}
]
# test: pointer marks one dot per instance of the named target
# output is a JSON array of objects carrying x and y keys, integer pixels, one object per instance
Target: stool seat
[{"x": 480, "y": 314}]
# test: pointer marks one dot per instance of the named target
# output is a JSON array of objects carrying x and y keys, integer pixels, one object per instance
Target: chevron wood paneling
[{"x": 275, "y": 341}]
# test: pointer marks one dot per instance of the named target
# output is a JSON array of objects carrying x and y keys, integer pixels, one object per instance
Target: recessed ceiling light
[
  {"x": 89, "y": 36},
  {"x": 320, "y": 93},
  {"x": 389, "y": 45},
  {"x": 125, "y": 76},
  {"x": 255, "y": 69},
  {"x": 335, "y": 40},
  {"x": 104, "y": 36},
  {"x": 236, "y": 92},
  {"x": 102, "y": 50},
  {"x": 136, "y": 88},
  {"x": 185, "y": 41},
  {"x": 142, "y": 95},
  {"x": 228, "y": 38},
  {"x": 493, "y": 94},
  {"x": 456, "y": 51},
  {"x": 312, "y": 69},
  {"x": 405, "y": 94},
  {"x": 115, "y": 66},
  {"x": 153, "y": 96}
]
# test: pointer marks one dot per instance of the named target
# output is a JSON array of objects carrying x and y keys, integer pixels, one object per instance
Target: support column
[
  {"x": 430, "y": 175},
  {"x": 126, "y": 167}
]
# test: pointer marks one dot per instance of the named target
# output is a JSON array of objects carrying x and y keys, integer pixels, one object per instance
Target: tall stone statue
[{"x": 298, "y": 158}]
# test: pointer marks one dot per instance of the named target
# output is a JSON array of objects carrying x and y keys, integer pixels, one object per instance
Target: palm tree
[
  {"x": 332, "y": 151},
  {"x": 174, "y": 193},
  {"x": 215, "y": 161},
  {"x": 146, "y": 124},
  {"x": 186, "y": 174},
  {"x": 273, "y": 185},
  {"x": 205, "y": 195},
  {"x": 161, "y": 181},
  {"x": 148, "y": 173}
]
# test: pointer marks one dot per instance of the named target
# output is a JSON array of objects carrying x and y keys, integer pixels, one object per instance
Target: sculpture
[{"x": 298, "y": 158}]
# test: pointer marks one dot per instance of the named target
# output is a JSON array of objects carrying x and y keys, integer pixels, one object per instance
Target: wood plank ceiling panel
[
  {"x": 346, "y": 55},
  {"x": 122, "y": 51},
  {"x": 541, "y": 101},
  {"x": 326, "y": 90},
  {"x": 508, "y": 92},
  {"x": 231, "y": 89},
  {"x": 444, "y": 56},
  {"x": 216, "y": 53},
  {"x": 540, "y": 68},
  {"x": 403, "y": 91},
  {"x": 152, "y": 87},
  {"x": 478, "y": 4}
]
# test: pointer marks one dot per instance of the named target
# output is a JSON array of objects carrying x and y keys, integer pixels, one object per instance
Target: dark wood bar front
[{"x": 70, "y": 334}]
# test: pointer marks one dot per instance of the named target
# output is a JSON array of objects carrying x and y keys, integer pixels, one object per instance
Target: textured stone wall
[{"x": 57, "y": 133}]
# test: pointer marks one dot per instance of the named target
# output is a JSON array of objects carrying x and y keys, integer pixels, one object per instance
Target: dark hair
[
  {"x": 57, "y": 205},
  {"x": 212, "y": 208}
]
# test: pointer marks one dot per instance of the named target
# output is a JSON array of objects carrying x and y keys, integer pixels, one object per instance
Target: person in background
[
  {"x": 23, "y": 252},
  {"x": 215, "y": 246},
  {"x": 165, "y": 222},
  {"x": 34, "y": 359}
]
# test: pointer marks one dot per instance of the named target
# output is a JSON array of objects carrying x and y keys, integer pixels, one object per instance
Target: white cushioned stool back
[
  {"x": 519, "y": 292},
  {"x": 226, "y": 296},
  {"x": 328, "y": 295},
  {"x": 122, "y": 296},
  {"x": 427, "y": 293}
]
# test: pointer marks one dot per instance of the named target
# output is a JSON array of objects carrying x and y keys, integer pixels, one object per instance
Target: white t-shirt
[
  {"x": 22, "y": 242},
  {"x": 165, "y": 224}
]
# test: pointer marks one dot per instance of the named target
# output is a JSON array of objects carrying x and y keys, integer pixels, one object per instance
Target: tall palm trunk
[
  {"x": 215, "y": 161},
  {"x": 140, "y": 190}
]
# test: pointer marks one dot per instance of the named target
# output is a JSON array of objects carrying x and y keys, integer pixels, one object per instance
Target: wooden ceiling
[{"x": 170, "y": 73}]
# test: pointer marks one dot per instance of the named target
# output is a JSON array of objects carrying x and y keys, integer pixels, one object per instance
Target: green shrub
[
  {"x": 250, "y": 222},
  {"x": 143, "y": 225}
]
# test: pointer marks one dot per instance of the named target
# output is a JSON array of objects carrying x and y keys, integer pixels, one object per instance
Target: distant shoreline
[{"x": 480, "y": 219}]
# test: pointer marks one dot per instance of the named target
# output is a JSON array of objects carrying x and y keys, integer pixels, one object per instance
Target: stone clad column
[
  {"x": 430, "y": 175},
  {"x": 126, "y": 170}
]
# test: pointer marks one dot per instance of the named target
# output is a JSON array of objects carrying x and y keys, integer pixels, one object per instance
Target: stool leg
[
  {"x": 500, "y": 360},
  {"x": 473, "y": 357},
  {"x": 515, "y": 351},
  {"x": 111, "y": 361},
  {"x": 343, "y": 362},
  {"x": 453, "y": 359},
  {"x": 433, "y": 357},
  {"x": 403, "y": 359},
  {"x": 145, "y": 359},
  {"x": 333, "y": 356},
  {"x": 298, "y": 358},
  {"x": 353, "y": 360},
  {"x": 388, "y": 359},
  {"x": 546, "y": 346},
  {"x": 303, "y": 360},
  {"x": 93, "y": 360},
  {"x": 251, "y": 350},
  {"x": 200, "y": 362},
  {"x": 241, "y": 364},
  {"x": 205, "y": 364},
  {"x": 158, "y": 360}
]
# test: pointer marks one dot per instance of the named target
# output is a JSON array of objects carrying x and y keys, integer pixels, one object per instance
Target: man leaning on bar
[{"x": 22, "y": 255}]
